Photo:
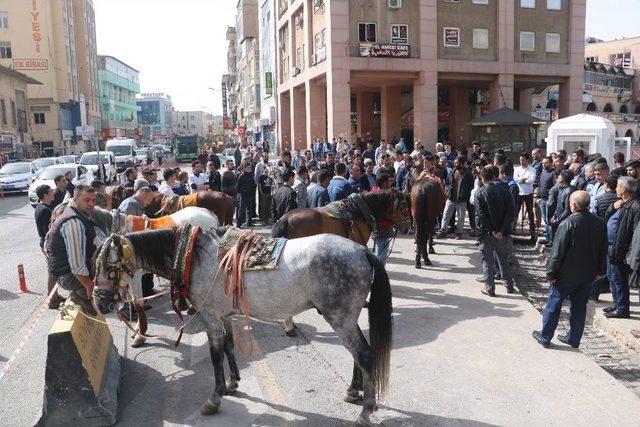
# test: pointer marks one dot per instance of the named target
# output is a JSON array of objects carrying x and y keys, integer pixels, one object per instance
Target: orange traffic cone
[{"x": 21, "y": 280}]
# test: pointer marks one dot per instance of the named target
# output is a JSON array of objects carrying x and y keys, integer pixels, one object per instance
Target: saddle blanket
[{"x": 264, "y": 253}]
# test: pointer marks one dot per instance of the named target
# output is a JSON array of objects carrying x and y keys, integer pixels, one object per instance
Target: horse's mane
[
  {"x": 153, "y": 248},
  {"x": 380, "y": 201}
]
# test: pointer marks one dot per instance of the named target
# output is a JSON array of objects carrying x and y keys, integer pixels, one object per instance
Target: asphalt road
[{"x": 459, "y": 358}]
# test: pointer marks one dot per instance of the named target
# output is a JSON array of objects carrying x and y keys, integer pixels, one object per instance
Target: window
[
  {"x": 480, "y": 38},
  {"x": 591, "y": 59},
  {"x": 480, "y": 2},
  {"x": 451, "y": 37},
  {"x": 527, "y": 41},
  {"x": 395, "y": 4},
  {"x": 299, "y": 58},
  {"x": 367, "y": 32},
  {"x": 14, "y": 118},
  {"x": 553, "y": 43},
  {"x": 3, "y": 107},
  {"x": 529, "y": 4},
  {"x": 38, "y": 118},
  {"x": 4, "y": 20},
  {"x": 399, "y": 33},
  {"x": 5, "y": 50},
  {"x": 554, "y": 4}
]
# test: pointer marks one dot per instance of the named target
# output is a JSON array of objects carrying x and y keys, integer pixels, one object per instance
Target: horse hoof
[
  {"x": 292, "y": 332},
  {"x": 209, "y": 408},
  {"x": 138, "y": 342},
  {"x": 352, "y": 396},
  {"x": 232, "y": 387},
  {"x": 363, "y": 420}
]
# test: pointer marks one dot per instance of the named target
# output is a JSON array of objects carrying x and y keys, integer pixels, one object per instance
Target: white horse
[
  {"x": 122, "y": 224},
  {"x": 326, "y": 272}
]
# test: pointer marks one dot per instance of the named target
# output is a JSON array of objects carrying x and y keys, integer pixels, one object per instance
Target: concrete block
[{"x": 82, "y": 376}]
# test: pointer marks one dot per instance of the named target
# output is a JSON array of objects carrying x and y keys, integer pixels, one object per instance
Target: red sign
[
  {"x": 242, "y": 130},
  {"x": 36, "y": 35},
  {"x": 443, "y": 114},
  {"x": 225, "y": 122},
  {"x": 30, "y": 64}
]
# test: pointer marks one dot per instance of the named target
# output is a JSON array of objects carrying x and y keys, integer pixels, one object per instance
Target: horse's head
[
  {"x": 115, "y": 261},
  {"x": 401, "y": 215}
]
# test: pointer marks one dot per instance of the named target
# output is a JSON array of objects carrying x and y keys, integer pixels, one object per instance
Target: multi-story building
[
  {"x": 230, "y": 96},
  {"x": 155, "y": 118},
  {"x": 248, "y": 63},
  {"x": 268, "y": 97},
  {"x": 119, "y": 86},
  {"x": 15, "y": 135},
  {"x": 87, "y": 54},
  {"x": 420, "y": 69},
  {"x": 38, "y": 38},
  {"x": 198, "y": 123}
]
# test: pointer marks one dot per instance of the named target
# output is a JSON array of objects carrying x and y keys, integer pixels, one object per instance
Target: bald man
[{"x": 578, "y": 257}]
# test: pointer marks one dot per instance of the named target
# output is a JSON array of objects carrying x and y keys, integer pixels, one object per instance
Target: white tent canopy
[{"x": 591, "y": 133}]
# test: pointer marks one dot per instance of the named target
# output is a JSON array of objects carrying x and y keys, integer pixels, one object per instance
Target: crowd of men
[{"x": 575, "y": 198}]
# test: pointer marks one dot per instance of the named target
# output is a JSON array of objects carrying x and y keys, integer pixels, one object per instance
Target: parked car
[
  {"x": 69, "y": 158},
  {"x": 108, "y": 159},
  {"x": 49, "y": 161},
  {"x": 81, "y": 175},
  {"x": 16, "y": 177},
  {"x": 143, "y": 155}
]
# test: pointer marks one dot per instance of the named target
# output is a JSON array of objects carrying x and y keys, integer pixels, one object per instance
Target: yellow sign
[{"x": 92, "y": 340}]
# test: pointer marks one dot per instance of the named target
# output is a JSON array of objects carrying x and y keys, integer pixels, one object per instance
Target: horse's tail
[
  {"x": 380, "y": 323},
  {"x": 280, "y": 228}
]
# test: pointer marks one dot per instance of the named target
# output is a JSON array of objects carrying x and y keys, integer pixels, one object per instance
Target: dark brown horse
[
  {"x": 351, "y": 219},
  {"x": 427, "y": 201}
]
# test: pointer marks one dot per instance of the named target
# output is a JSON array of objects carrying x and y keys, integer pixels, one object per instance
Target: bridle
[
  {"x": 402, "y": 214},
  {"x": 114, "y": 270}
]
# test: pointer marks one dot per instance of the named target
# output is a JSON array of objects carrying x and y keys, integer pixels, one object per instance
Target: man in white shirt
[
  {"x": 525, "y": 176},
  {"x": 197, "y": 179},
  {"x": 166, "y": 188},
  {"x": 382, "y": 149}
]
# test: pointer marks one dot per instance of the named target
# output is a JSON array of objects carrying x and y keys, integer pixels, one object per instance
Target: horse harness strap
[{"x": 185, "y": 242}]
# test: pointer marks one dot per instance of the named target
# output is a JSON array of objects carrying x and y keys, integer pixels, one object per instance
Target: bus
[{"x": 188, "y": 148}]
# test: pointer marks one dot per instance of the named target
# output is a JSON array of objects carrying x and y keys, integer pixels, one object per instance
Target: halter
[{"x": 114, "y": 270}]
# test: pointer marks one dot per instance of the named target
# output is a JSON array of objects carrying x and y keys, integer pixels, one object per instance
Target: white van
[
  {"x": 107, "y": 158},
  {"x": 125, "y": 151}
]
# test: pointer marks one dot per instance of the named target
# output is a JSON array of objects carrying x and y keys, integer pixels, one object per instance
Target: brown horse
[
  {"x": 350, "y": 218},
  {"x": 427, "y": 201},
  {"x": 220, "y": 204}
]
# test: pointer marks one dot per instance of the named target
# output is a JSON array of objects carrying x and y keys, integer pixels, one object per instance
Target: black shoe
[
  {"x": 609, "y": 309},
  {"x": 565, "y": 340},
  {"x": 618, "y": 314},
  {"x": 536, "y": 335},
  {"x": 510, "y": 289},
  {"x": 488, "y": 292}
]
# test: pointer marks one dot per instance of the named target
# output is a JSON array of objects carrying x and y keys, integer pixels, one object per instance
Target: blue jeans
[
  {"x": 618, "y": 276},
  {"x": 382, "y": 248},
  {"x": 543, "y": 209},
  {"x": 579, "y": 295}
]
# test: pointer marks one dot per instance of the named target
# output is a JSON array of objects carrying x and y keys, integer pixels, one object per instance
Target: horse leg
[
  {"x": 431, "y": 232},
  {"x": 418, "y": 244},
  {"x": 289, "y": 327},
  {"x": 353, "y": 392},
  {"x": 139, "y": 338},
  {"x": 234, "y": 375},
  {"x": 216, "y": 348},
  {"x": 427, "y": 241},
  {"x": 363, "y": 357}
]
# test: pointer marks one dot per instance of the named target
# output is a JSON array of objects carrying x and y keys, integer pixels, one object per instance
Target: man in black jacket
[
  {"x": 562, "y": 209},
  {"x": 622, "y": 218},
  {"x": 285, "y": 198},
  {"x": 60, "y": 192},
  {"x": 577, "y": 259},
  {"x": 494, "y": 212},
  {"x": 43, "y": 220},
  {"x": 545, "y": 183},
  {"x": 247, "y": 191},
  {"x": 459, "y": 184}
]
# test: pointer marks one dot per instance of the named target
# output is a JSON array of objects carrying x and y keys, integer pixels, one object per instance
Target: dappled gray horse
[{"x": 327, "y": 272}]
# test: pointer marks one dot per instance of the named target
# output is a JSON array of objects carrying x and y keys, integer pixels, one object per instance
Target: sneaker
[
  {"x": 488, "y": 292},
  {"x": 481, "y": 279}
]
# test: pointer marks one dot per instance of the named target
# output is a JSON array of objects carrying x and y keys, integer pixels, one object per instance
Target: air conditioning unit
[
  {"x": 299, "y": 21},
  {"x": 395, "y": 4},
  {"x": 295, "y": 71}
]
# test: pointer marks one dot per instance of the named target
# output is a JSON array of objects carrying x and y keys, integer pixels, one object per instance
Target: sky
[{"x": 179, "y": 46}]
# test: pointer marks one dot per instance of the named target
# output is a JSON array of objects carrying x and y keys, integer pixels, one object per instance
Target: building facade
[
  {"x": 420, "y": 69},
  {"x": 230, "y": 95},
  {"x": 38, "y": 38},
  {"x": 15, "y": 132},
  {"x": 248, "y": 70},
  {"x": 87, "y": 55},
  {"x": 155, "y": 118},
  {"x": 198, "y": 123},
  {"x": 119, "y": 85},
  {"x": 268, "y": 96}
]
